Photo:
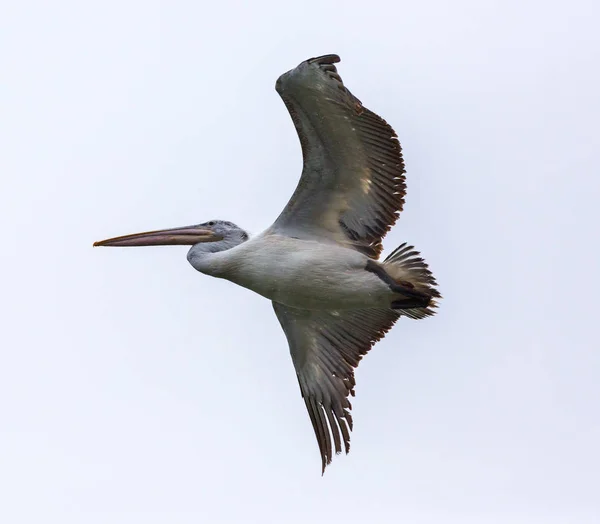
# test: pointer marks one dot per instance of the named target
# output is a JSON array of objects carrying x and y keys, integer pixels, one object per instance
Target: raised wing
[
  {"x": 352, "y": 185},
  {"x": 326, "y": 347}
]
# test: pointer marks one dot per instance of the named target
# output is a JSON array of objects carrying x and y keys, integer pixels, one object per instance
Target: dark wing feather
[
  {"x": 352, "y": 185},
  {"x": 326, "y": 347}
]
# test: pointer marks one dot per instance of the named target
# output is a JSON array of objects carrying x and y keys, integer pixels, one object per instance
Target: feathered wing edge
[
  {"x": 352, "y": 186},
  {"x": 326, "y": 347}
]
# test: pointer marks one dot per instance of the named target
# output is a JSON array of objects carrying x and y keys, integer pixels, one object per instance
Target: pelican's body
[
  {"x": 298, "y": 273},
  {"x": 318, "y": 263}
]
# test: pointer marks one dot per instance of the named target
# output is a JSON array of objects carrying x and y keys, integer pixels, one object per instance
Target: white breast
[{"x": 301, "y": 273}]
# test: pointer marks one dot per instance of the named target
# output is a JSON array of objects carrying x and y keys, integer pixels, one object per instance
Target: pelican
[{"x": 319, "y": 261}]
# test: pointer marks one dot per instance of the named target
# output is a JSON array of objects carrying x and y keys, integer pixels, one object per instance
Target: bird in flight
[{"x": 318, "y": 262}]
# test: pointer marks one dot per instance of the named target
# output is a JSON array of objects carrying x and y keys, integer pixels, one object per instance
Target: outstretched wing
[
  {"x": 326, "y": 347},
  {"x": 352, "y": 185}
]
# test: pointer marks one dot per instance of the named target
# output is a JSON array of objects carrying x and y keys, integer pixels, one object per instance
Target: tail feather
[{"x": 406, "y": 267}]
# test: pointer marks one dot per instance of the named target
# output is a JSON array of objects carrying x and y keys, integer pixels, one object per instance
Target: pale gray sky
[{"x": 135, "y": 390}]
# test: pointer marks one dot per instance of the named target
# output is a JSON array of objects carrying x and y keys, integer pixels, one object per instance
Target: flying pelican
[{"x": 318, "y": 263}]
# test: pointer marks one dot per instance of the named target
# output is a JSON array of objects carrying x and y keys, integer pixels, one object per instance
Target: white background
[{"x": 135, "y": 390}]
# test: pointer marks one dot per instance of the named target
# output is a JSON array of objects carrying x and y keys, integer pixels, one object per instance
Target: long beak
[{"x": 179, "y": 236}]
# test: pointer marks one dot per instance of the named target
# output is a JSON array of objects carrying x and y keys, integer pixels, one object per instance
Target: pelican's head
[{"x": 212, "y": 231}]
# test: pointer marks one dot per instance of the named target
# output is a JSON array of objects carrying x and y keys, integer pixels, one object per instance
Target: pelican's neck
[{"x": 210, "y": 257}]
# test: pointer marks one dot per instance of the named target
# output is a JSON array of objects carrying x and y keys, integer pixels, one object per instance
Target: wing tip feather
[{"x": 324, "y": 59}]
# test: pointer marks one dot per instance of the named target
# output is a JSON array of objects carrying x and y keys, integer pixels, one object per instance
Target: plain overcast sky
[{"x": 136, "y": 390}]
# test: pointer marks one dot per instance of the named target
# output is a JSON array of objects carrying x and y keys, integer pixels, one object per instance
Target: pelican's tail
[{"x": 410, "y": 271}]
